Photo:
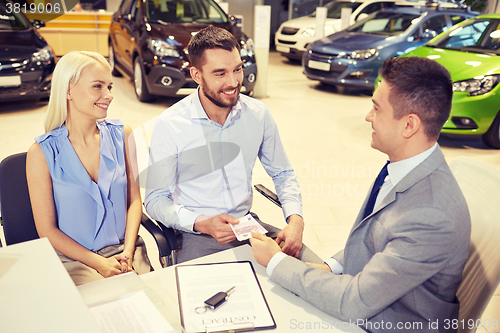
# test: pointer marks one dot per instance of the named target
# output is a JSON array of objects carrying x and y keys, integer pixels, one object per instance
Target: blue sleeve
[
  {"x": 275, "y": 161},
  {"x": 161, "y": 181}
]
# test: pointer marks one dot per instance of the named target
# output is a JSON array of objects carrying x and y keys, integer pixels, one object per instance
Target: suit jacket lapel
[{"x": 421, "y": 171}]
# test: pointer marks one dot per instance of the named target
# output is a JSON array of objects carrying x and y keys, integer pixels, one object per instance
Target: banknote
[{"x": 243, "y": 230}]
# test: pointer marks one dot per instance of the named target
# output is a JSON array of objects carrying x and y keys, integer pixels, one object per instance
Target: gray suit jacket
[{"x": 402, "y": 264}]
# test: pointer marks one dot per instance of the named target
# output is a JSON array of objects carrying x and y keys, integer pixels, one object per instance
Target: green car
[{"x": 471, "y": 53}]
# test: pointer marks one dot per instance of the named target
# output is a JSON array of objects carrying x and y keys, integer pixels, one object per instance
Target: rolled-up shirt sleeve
[{"x": 275, "y": 161}]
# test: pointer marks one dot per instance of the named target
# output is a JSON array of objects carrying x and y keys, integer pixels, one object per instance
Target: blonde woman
[{"x": 80, "y": 179}]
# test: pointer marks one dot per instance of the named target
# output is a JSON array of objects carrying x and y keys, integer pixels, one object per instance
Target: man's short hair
[
  {"x": 210, "y": 38},
  {"x": 420, "y": 86}
]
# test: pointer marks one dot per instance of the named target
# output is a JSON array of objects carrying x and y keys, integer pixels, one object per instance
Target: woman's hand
[
  {"x": 127, "y": 264},
  {"x": 112, "y": 266}
]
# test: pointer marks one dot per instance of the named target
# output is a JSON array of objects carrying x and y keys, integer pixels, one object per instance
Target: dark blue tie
[{"x": 376, "y": 188}]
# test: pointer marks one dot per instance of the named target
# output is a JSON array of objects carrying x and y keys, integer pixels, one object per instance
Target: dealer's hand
[
  {"x": 263, "y": 248},
  {"x": 292, "y": 236}
]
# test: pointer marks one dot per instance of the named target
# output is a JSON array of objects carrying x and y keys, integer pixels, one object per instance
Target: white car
[{"x": 293, "y": 36}]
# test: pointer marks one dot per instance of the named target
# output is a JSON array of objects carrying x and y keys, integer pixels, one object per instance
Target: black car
[
  {"x": 148, "y": 42},
  {"x": 26, "y": 60}
]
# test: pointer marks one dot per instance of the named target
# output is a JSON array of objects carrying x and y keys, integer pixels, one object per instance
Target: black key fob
[{"x": 216, "y": 300}]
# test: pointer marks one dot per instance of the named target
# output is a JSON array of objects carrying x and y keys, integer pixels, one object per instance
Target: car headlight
[
  {"x": 361, "y": 54},
  {"x": 477, "y": 86},
  {"x": 162, "y": 49},
  {"x": 247, "y": 48},
  {"x": 310, "y": 32},
  {"x": 42, "y": 55}
]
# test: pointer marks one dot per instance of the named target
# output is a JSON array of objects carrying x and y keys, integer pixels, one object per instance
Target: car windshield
[
  {"x": 383, "y": 23},
  {"x": 335, "y": 8},
  {"x": 11, "y": 21},
  {"x": 185, "y": 11},
  {"x": 477, "y": 35}
]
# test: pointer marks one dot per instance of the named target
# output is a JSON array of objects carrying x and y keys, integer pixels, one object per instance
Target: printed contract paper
[
  {"x": 131, "y": 313},
  {"x": 245, "y": 307}
]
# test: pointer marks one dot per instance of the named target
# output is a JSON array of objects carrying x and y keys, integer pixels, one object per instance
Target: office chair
[
  {"x": 142, "y": 139},
  {"x": 480, "y": 184},
  {"x": 17, "y": 216}
]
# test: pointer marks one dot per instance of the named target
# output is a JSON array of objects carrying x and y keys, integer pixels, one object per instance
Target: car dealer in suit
[{"x": 403, "y": 261}]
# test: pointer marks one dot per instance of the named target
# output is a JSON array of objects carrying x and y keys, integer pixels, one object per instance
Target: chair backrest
[
  {"x": 142, "y": 136},
  {"x": 480, "y": 184},
  {"x": 17, "y": 216}
]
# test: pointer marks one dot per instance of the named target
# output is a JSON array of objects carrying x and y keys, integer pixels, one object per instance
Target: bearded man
[{"x": 203, "y": 150}]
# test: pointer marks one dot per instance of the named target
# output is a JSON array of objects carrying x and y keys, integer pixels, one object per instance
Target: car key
[{"x": 218, "y": 299}]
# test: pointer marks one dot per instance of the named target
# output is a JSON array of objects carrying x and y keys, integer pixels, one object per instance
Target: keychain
[{"x": 215, "y": 301}]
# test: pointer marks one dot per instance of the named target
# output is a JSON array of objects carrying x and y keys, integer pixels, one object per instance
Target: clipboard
[{"x": 245, "y": 310}]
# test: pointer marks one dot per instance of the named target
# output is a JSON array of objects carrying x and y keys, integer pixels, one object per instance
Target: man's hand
[
  {"x": 218, "y": 227},
  {"x": 263, "y": 248},
  {"x": 292, "y": 236}
]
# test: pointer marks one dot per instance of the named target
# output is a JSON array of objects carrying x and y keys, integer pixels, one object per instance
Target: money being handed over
[{"x": 243, "y": 230}]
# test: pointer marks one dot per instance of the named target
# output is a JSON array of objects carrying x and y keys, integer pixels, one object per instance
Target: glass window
[
  {"x": 185, "y": 11},
  {"x": 10, "y": 20},
  {"x": 492, "y": 40},
  {"x": 482, "y": 36},
  {"x": 455, "y": 19},
  {"x": 136, "y": 5},
  {"x": 467, "y": 36},
  {"x": 435, "y": 23},
  {"x": 125, "y": 6},
  {"x": 371, "y": 8},
  {"x": 335, "y": 8},
  {"x": 383, "y": 23}
]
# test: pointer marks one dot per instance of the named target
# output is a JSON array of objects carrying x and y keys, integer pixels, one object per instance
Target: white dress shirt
[{"x": 201, "y": 168}]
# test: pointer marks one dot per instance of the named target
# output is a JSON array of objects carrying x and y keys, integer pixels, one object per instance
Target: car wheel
[
  {"x": 112, "y": 61},
  {"x": 141, "y": 89},
  {"x": 492, "y": 137}
]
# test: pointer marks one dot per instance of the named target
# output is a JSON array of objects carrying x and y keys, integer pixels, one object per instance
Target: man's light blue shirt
[{"x": 200, "y": 167}]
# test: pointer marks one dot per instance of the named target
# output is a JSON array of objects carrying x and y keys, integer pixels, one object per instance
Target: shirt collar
[
  {"x": 398, "y": 170},
  {"x": 199, "y": 113}
]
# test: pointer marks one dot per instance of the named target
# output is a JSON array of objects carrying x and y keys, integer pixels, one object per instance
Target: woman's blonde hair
[{"x": 68, "y": 71}]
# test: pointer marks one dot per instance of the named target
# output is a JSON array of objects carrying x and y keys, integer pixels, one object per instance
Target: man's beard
[{"x": 216, "y": 98}]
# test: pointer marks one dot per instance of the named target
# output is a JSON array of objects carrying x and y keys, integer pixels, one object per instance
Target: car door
[{"x": 125, "y": 34}]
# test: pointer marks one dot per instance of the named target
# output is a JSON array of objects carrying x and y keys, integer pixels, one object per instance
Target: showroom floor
[{"x": 324, "y": 133}]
